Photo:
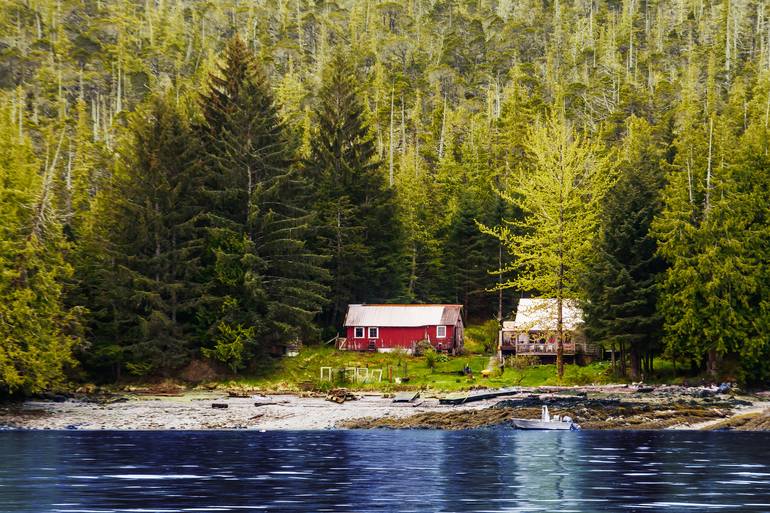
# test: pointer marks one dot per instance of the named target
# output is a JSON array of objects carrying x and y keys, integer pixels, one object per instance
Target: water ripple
[{"x": 383, "y": 471}]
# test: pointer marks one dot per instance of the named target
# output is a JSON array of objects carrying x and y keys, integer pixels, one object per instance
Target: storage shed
[{"x": 388, "y": 327}]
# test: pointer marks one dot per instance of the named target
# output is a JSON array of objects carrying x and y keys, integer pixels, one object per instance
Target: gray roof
[
  {"x": 540, "y": 314},
  {"x": 402, "y": 315}
]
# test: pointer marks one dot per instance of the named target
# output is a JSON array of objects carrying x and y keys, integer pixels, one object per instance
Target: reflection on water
[{"x": 360, "y": 471}]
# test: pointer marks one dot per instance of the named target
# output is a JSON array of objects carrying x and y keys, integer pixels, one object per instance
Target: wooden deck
[{"x": 548, "y": 349}]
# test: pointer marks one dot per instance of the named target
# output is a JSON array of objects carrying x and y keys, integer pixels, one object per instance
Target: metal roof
[
  {"x": 540, "y": 314},
  {"x": 402, "y": 315}
]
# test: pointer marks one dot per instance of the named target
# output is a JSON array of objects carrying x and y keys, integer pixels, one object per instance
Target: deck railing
[{"x": 548, "y": 348}]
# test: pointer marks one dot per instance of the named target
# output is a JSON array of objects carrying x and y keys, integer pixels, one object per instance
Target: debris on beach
[
  {"x": 340, "y": 395},
  {"x": 239, "y": 393},
  {"x": 406, "y": 397}
]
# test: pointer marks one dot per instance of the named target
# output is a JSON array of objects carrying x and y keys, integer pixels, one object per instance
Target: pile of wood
[{"x": 340, "y": 395}]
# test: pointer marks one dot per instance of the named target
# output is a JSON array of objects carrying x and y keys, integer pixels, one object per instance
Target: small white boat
[{"x": 557, "y": 423}]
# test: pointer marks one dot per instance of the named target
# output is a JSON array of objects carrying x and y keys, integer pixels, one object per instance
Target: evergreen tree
[
  {"x": 261, "y": 284},
  {"x": 623, "y": 279},
  {"x": 715, "y": 291},
  {"x": 141, "y": 252},
  {"x": 470, "y": 255},
  {"x": 358, "y": 227},
  {"x": 560, "y": 195},
  {"x": 36, "y": 329}
]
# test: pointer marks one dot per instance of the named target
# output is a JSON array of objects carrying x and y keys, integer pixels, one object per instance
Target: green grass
[
  {"x": 304, "y": 370},
  {"x": 481, "y": 338}
]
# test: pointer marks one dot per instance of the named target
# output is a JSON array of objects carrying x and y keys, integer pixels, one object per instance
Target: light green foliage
[
  {"x": 430, "y": 359},
  {"x": 36, "y": 330},
  {"x": 229, "y": 345},
  {"x": 560, "y": 194}
]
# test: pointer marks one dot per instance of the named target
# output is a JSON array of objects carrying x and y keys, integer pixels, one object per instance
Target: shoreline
[{"x": 594, "y": 408}]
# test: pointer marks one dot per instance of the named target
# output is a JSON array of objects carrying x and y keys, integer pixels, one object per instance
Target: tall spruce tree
[
  {"x": 715, "y": 292},
  {"x": 357, "y": 224},
  {"x": 623, "y": 278},
  {"x": 262, "y": 286},
  {"x": 141, "y": 253}
]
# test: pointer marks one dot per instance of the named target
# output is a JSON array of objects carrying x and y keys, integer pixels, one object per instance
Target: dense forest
[{"x": 184, "y": 179}]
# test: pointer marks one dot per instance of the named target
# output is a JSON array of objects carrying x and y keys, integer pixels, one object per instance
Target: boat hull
[{"x": 549, "y": 426}]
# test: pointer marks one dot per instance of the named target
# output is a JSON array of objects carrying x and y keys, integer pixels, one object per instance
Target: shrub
[
  {"x": 422, "y": 347},
  {"x": 230, "y": 345},
  {"x": 430, "y": 359},
  {"x": 521, "y": 362}
]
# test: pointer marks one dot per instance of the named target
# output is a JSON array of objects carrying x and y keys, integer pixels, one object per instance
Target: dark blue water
[{"x": 362, "y": 471}]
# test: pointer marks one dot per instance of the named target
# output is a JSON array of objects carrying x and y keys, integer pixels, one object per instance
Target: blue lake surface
[{"x": 496, "y": 470}]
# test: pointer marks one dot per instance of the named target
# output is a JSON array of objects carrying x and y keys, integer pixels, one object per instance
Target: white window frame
[
  {"x": 355, "y": 332},
  {"x": 439, "y": 329},
  {"x": 376, "y": 332}
]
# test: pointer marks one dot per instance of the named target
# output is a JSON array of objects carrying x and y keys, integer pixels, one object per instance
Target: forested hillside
[{"x": 183, "y": 178}]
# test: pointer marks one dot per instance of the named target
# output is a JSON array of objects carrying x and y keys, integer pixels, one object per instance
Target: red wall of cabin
[{"x": 390, "y": 338}]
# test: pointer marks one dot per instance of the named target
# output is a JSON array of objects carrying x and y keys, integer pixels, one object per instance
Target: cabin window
[
  {"x": 440, "y": 331},
  {"x": 374, "y": 332},
  {"x": 358, "y": 332}
]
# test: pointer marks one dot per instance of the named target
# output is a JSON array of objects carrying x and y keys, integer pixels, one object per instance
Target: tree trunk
[
  {"x": 174, "y": 274},
  {"x": 614, "y": 363},
  {"x": 391, "y": 178},
  {"x": 560, "y": 339},
  {"x": 623, "y": 359},
  {"x": 413, "y": 268},
  {"x": 499, "y": 285},
  {"x": 441, "y": 134},
  {"x": 713, "y": 370},
  {"x": 636, "y": 364},
  {"x": 707, "y": 203},
  {"x": 338, "y": 278}
]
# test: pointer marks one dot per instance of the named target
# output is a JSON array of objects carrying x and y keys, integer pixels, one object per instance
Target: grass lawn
[{"x": 305, "y": 371}]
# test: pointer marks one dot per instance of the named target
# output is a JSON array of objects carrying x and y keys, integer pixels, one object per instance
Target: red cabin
[{"x": 387, "y": 327}]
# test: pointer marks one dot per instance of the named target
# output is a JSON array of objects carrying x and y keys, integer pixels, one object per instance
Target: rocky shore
[{"x": 599, "y": 407}]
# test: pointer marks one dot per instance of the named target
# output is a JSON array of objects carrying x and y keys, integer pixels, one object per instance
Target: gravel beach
[
  {"x": 592, "y": 407},
  {"x": 195, "y": 411}
]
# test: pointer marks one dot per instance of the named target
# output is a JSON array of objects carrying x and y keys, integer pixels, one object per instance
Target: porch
[{"x": 545, "y": 349}]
